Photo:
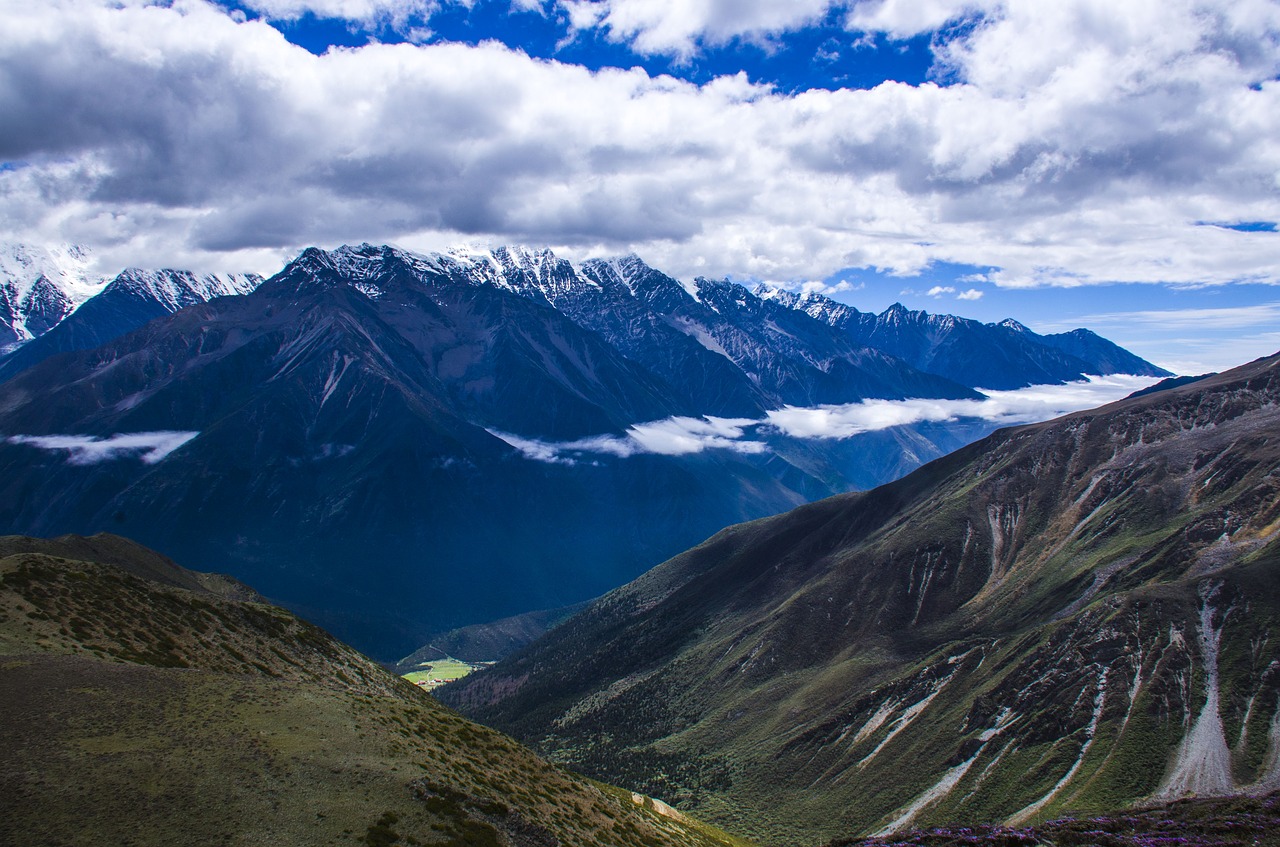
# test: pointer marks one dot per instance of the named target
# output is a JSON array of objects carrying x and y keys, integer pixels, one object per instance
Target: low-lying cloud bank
[
  {"x": 680, "y": 436},
  {"x": 150, "y": 447}
]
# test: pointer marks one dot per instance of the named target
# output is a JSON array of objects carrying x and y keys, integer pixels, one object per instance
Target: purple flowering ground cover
[{"x": 1186, "y": 823}]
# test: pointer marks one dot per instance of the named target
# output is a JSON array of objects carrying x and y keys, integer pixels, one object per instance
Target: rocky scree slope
[
  {"x": 145, "y": 703},
  {"x": 1074, "y": 615}
]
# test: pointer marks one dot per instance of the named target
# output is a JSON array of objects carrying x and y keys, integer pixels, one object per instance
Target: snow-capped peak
[
  {"x": 67, "y": 267},
  {"x": 40, "y": 286}
]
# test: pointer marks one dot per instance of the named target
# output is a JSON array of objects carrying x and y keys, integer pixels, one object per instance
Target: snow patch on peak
[
  {"x": 790, "y": 299},
  {"x": 524, "y": 270},
  {"x": 1010, "y": 323}
]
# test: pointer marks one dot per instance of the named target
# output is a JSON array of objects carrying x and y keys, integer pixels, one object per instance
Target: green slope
[
  {"x": 146, "y": 704},
  {"x": 1024, "y": 627}
]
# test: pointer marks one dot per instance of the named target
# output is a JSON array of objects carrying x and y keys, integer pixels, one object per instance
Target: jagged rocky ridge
[
  {"x": 1074, "y": 615},
  {"x": 145, "y": 703}
]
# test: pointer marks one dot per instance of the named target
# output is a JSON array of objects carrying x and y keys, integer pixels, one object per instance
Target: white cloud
[
  {"x": 681, "y": 436},
  {"x": 939, "y": 290},
  {"x": 819, "y": 287},
  {"x": 1024, "y": 405},
  {"x": 1082, "y": 143},
  {"x": 970, "y": 294},
  {"x": 664, "y": 27},
  {"x": 906, "y": 18},
  {"x": 393, "y": 11},
  {"x": 678, "y": 436},
  {"x": 150, "y": 447}
]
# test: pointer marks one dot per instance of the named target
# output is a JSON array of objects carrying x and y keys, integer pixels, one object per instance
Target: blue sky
[
  {"x": 1077, "y": 163},
  {"x": 824, "y": 54}
]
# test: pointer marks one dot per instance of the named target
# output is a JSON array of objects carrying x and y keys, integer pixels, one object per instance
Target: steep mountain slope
[
  {"x": 39, "y": 287},
  {"x": 1006, "y": 355},
  {"x": 148, "y": 704},
  {"x": 126, "y": 303},
  {"x": 1075, "y": 615}
]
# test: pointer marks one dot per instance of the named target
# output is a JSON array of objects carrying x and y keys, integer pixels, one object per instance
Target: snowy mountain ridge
[{"x": 176, "y": 289}]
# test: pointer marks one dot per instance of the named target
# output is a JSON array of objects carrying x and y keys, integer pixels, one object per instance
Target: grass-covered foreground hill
[
  {"x": 1071, "y": 616},
  {"x": 146, "y": 704}
]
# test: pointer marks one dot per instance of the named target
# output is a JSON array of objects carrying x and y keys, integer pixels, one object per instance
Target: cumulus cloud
[
  {"x": 828, "y": 289},
  {"x": 150, "y": 447},
  {"x": 939, "y": 290},
  {"x": 660, "y": 26},
  {"x": 396, "y": 12},
  {"x": 1081, "y": 142},
  {"x": 970, "y": 294},
  {"x": 681, "y": 436}
]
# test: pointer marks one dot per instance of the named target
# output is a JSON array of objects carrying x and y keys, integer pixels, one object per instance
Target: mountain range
[
  {"x": 148, "y": 704},
  {"x": 495, "y": 431},
  {"x": 1004, "y": 355},
  {"x": 1070, "y": 616}
]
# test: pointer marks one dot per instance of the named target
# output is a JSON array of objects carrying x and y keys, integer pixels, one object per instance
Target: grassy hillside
[
  {"x": 146, "y": 704},
  {"x": 1074, "y": 615}
]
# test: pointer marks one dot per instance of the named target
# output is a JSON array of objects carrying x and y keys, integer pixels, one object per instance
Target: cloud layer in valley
[
  {"x": 1065, "y": 144},
  {"x": 150, "y": 447},
  {"x": 680, "y": 436}
]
